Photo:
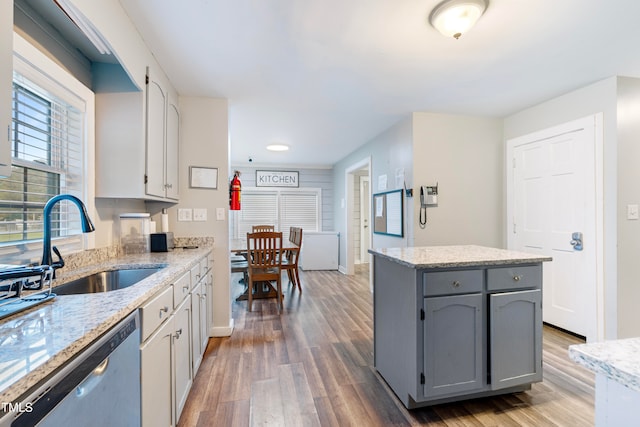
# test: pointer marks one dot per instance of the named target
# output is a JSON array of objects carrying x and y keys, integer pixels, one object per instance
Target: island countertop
[
  {"x": 36, "y": 342},
  {"x": 456, "y": 256},
  {"x": 618, "y": 360}
]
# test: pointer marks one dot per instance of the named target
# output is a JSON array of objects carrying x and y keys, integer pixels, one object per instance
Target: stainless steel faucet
[{"x": 87, "y": 227}]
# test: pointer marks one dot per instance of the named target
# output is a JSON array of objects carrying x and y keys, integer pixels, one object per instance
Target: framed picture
[{"x": 203, "y": 177}]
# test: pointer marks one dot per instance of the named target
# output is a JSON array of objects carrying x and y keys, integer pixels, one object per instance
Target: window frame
[
  {"x": 35, "y": 66},
  {"x": 278, "y": 194}
]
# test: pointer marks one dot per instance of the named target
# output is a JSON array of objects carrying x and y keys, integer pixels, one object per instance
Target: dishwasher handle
[{"x": 93, "y": 379}]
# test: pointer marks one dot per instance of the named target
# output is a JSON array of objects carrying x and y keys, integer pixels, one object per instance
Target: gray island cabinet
[{"x": 457, "y": 322}]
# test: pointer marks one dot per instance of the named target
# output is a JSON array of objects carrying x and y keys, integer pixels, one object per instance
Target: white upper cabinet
[
  {"x": 137, "y": 142},
  {"x": 6, "y": 79}
]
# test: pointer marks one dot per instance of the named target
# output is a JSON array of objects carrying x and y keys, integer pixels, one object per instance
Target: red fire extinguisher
[{"x": 234, "y": 192}]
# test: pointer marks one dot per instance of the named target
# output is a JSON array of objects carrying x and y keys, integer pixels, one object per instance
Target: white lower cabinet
[
  {"x": 156, "y": 377},
  {"x": 171, "y": 354},
  {"x": 182, "y": 355}
]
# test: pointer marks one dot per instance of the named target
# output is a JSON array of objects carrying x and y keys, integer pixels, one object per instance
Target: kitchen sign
[{"x": 277, "y": 179}]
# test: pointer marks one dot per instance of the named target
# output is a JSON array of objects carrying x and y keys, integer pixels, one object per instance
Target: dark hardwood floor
[{"x": 313, "y": 365}]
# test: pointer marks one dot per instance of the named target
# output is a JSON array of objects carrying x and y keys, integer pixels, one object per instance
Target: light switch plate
[
  {"x": 200, "y": 214},
  {"x": 220, "y": 214},
  {"x": 185, "y": 214},
  {"x": 632, "y": 212}
]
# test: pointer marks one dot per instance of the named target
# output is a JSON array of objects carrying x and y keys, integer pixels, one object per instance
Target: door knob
[{"x": 576, "y": 241}]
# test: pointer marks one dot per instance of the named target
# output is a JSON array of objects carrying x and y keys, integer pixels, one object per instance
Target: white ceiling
[{"x": 325, "y": 76}]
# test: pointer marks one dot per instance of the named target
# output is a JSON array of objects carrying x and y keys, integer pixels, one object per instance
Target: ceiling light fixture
[
  {"x": 455, "y": 17},
  {"x": 277, "y": 147}
]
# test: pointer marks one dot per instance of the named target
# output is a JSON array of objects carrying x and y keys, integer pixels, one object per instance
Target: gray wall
[
  {"x": 308, "y": 178},
  {"x": 389, "y": 151}
]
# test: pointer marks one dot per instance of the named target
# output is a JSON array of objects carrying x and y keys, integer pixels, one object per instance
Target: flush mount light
[
  {"x": 277, "y": 147},
  {"x": 455, "y": 17}
]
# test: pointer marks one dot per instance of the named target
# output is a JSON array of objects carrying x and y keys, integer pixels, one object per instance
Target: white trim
[
  {"x": 222, "y": 331},
  {"x": 349, "y": 266},
  {"x": 596, "y": 121},
  {"x": 37, "y": 67}
]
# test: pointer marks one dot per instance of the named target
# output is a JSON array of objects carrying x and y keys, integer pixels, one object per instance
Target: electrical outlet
[
  {"x": 185, "y": 214},
  {"x": 200, "y": 214},
  {"x": 220, "y": 214}
]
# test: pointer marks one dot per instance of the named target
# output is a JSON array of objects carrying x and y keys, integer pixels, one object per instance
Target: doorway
[
  {"x": 353, "y": 206},
  {"x": 554, "y": 206}
]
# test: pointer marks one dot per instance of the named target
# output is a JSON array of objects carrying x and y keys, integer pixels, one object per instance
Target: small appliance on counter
[
  {"x": 134, "y": 232},
  {"x": 162, "y": 242}
]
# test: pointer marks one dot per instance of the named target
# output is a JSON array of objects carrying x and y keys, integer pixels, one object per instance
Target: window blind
[
  {"x": 47, "y": 159},
  {"x": 281, "y": 208}
]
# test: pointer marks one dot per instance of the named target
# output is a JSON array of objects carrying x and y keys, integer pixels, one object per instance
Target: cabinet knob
[
  {"x": 517, "y": 278},
  {"x": 185, "y": 288},
  {"x": 455, "y": 284},
  {"x": 178, "y": 333},
  {"x": 164, "y": 309}
]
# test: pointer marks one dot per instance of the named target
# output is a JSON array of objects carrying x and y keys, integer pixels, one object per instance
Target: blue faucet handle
[{"x": 60, "y": 262}]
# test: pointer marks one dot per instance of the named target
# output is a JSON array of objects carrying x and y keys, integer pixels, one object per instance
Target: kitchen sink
[{"x": 105, "y": 281}]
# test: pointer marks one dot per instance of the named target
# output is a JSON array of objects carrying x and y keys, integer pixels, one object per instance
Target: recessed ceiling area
[{"x": 326, "y": 76}]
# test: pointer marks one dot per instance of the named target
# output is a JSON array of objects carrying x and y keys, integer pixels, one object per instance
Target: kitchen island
[
  {"x": 617, "y": 367},
  {"x": 457, "y": 322},
  {"x": 37, "y": 342}
]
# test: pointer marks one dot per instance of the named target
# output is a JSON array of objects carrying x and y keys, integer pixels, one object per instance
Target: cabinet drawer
[
  {"x": 452, "y": 282},
  {"x": 204, "y": 266},
  {"x": 195, "y": 274},
  {"x": 181, "y": 288},
  {"x": 156, "y": 311},
  {"x": 516, "y": 277}
]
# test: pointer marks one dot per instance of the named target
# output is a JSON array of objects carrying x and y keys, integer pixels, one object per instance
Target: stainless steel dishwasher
[{"x": 99, "y": 387}]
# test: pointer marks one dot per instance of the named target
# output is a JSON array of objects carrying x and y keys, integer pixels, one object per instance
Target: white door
[
  {"x": 551, "y": 196},
  {"x": 365, "y": 207}
]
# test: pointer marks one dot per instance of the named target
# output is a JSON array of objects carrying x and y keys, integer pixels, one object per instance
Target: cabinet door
[
  {"x": 6, "y": 73},
  {"x": 195, "y": 328},
  {"x": 204, "y": 315},
  {"x": 155, "y": 359},
  {"x": 515, "y": 337},
  {"x": 156, "y": 110},
  {"x": 173, "y": 151},
  {"x": 182, "y": 355},
  {"x": 453, "y": 353},
  {"x": 209, "y": 302}
]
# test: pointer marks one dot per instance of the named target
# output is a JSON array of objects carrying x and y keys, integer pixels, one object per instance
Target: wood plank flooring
[{"x": 313, "y": 366}]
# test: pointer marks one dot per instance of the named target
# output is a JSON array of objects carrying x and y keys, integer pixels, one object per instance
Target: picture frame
[
  {"x": 203, "y": 177},
  {"x": 388, "y": 213}
]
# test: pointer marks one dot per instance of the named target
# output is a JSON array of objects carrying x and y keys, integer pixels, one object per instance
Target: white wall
[
  {"x": 598, "y": 97},
  {"x": 463, "y": 155},
  {"x": 628, "y": 231},
  {"x": 205, "y": 142}
]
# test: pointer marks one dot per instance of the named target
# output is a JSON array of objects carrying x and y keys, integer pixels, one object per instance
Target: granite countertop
[
  {"x": 36, "y": 342},
  {"x": 455, "y": 256},
  {"x": 618, "y": 360}
]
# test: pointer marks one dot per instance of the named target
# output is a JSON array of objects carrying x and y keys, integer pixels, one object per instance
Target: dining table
[{"x": 239, "y": 247}]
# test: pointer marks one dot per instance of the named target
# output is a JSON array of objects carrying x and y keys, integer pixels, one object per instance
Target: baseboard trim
[{"x": 222, "y": 331}]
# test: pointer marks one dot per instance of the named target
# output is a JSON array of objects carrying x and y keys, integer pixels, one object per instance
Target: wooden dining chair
[
  {"x": 290, "y": 260},
  {"x": 263, "y": 259},
  {"x": 262, "y": 228}
]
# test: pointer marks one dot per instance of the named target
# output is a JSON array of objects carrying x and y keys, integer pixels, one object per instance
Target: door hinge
[
  {"x": 421, "y": 314},
  {"x": 146, "y": 79},
  {"x": 422, "y": 378},
  {"x": 146, "y": 179}
]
